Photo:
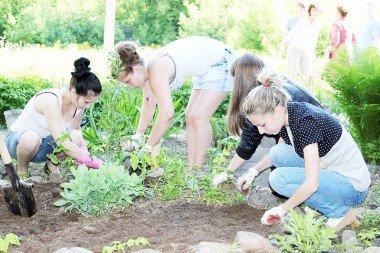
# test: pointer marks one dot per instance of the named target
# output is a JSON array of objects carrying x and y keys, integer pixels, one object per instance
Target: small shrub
[
  {"x": 93, "y": 192},
  {"x": 307, "y": 234},
  {"x": 10, "y": 239}
]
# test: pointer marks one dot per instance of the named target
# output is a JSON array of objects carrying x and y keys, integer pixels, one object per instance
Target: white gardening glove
[
  {"x": 273, "y": 215},
  {"x": 245, "y": 180},
  {"x": 147, "y": 148},
  {"x": 220, "y": 178},
  {"x": 134, "y": 143}
]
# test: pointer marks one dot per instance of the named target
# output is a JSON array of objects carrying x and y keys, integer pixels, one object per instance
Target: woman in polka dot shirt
[{"x": 317, "y": 161}]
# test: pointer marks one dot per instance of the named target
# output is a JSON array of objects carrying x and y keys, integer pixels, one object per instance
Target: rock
[
  {"x": 215, "y": 247},
  {"x": 348, "y": 234},
  {"x": 254, "y": 243},
  {"x": 73, "y": 250},
  {"x": 147, "y": 251},
  {"x": 90, "y": 230},
  {"x": 262, "y": 198},
  {"x": 4, "y": 182},
  {"x": 36, "y": 179},
  {"x": 154, "y": 174},
  {"x": 55, "y": 178},
  {"x": 372, "y": 250}
]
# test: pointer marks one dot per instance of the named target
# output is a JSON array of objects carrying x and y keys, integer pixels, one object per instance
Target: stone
[
  {"x": 73, "y": 250},
  {"x": 55, "y": 178},
  {"x": 254, "y": 243},
  {"x": 215, "y": 247},
  {"x": 154, "y": 174},
  {"x": 262, "y": 198},
  {"x": 4, "y": 182},
  {"x": 372, "y": 250},
  {"x": 90, "y": 230}
]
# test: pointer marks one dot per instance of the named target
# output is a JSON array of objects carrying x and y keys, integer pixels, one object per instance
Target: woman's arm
[
  {"x": 159, "y": 74},
  {"x": 148, "y": 107},
  {"x": 311, "y": 183},
  {"x": 48, "y": 105}
]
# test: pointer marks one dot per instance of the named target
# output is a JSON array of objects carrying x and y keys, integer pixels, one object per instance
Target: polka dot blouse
[{"x": 310, "y": 124}]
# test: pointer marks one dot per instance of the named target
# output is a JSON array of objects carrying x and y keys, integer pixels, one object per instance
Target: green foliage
[
  {"x": 16, "y": 91},
  {"x": 121, "y": 246},
  {"x": 93, "y": 192},
  {"x": 356, "y": 84},
  {"x": 372, "y": 200},
  {"x": 308, "y": 234},
  {"x": 10, "y": 239},
  {"x": 59, "y": 149},
  {"x": 369, "y": 229}
]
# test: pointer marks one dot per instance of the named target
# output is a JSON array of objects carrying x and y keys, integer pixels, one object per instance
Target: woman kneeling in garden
[
  {"x": 50, "y": 114},
  {"x": 317, "y": 161}
]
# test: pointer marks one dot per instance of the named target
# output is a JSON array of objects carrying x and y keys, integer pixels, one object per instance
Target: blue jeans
[
  {"x": 47, "y": 147},
  {"x": 335, "y": 193}
]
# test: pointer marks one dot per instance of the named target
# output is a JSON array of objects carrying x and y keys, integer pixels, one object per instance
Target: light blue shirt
[{"x": 369, "y": 31}]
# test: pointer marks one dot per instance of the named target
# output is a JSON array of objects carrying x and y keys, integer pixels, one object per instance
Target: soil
[{"x": 172, "y": 226}]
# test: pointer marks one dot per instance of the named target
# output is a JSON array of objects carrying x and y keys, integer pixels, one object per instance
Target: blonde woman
[{"x": 317, "y": 161}]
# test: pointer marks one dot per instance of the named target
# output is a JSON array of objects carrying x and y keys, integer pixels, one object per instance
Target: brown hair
[
  {"x": 244, "y": 70},
  {"x": 128, "y": 55},
  {"x": 342, "y": 10},
  {"x": 265, "y": 98},
  {"x": 311, "y": 6}
]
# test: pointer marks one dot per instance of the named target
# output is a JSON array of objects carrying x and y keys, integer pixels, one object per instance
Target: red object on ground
[{"x": 273, "y": 218}]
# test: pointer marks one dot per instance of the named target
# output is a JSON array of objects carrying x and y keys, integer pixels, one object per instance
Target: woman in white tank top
[
  {"x": 51, "y": 113},
  {"x": 206, "y": 60}
]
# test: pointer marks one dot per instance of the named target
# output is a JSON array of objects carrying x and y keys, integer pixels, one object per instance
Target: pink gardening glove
[{"x": 86, "y": 160}]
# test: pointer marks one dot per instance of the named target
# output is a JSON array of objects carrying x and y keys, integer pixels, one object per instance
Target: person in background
[
  {"x": 302, "y": 40},
  {"x": 253, "y": 145},
  {"x": 206, "y": 60},
  {"x": 291, "y": 23},
  {"x": 341, "y": 32},
  {"x": 369, "y": 33},
  {"x": 51, "y": 113},
  {"x": 317, "y": 161}
]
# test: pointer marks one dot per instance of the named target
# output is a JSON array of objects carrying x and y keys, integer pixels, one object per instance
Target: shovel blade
[{"x": 22, "y": 202}]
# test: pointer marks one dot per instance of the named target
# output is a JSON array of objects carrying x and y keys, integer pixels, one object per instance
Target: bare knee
[
  {"x": 76, "y": 137},
  {"x": 29, "y": 142}
]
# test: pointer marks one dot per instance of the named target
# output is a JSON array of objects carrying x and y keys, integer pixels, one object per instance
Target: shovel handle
[{"x": 4, "y": 151}]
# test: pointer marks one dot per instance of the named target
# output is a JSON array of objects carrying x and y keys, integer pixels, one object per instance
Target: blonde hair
[
  {"x": 127, "y": 51},
  {"x": 244, "y": 70},
  {"x": 265, "y": 98}
]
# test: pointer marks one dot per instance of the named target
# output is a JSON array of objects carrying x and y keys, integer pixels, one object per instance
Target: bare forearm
[
  {"x": 300, "y": 196},
  {"x": 236, "y": 163},
  {"x": 159, "y": 129}
]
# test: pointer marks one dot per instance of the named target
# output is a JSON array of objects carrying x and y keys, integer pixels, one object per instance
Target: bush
[
  {"x": 16, "y": 91},
  {"x": 356, "y": 83}
]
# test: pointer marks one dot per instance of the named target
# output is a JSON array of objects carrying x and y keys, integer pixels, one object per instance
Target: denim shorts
[
  {"x": 218, "y": 76},
  {"x": 47, "y": 147}
]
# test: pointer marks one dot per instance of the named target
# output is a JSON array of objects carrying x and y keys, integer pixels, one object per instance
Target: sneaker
[{"x": 340, "y": 223}]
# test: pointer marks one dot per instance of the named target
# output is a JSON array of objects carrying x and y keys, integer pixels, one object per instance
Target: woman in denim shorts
[
  {"x": 51, "y": 113},
  {"x": 206, "y": 60}
]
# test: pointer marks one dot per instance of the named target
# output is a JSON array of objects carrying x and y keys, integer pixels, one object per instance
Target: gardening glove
[
  {"x": 220, "y": 178},
  {"x": 83, "y": 147},
  {"x": 92, "y": 162},
  {"x": 273, "y": 215},
  {"x": 134, "y": 143},
  {"x": 245, "y": 180}
]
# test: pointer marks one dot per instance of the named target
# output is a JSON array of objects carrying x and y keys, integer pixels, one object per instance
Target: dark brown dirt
[{"x": 169, "y": 226}]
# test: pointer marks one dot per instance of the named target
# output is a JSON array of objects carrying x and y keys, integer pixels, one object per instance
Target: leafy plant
[
  {"x": 369, "y": 229},
  {"x": 15, "y": 91},
  {"x": 121, "y": 246},
  {"x": 356, "y": 84},
  {"x": 93, "y": 192},
  {"x": 10, "y": 239},
  {"x": 307, "y": 234},
  {"x": 59, "y": 149}
]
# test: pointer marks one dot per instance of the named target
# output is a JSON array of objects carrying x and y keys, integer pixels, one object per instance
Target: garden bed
[{"x": 172, "y": 226}]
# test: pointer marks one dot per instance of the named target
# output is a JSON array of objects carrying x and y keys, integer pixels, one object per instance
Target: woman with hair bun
[
  {"x": 51, "y": 113},
  {"x": 317, "y": 161},
  {"x": 206, "y": 60}
]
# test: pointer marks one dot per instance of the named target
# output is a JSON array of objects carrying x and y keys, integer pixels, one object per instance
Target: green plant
[
  {"x": 10, "y": 239},
  {"x": 369, "y": 229},
  {"x": 356, "y": 84},
  {"x": 121, "y": 246},
  {"x": 307, "y": 234},
  {"x": 15, "y": 91},
  {"x": 93, "y": 192},
  {"x": 59, "y": 149}
]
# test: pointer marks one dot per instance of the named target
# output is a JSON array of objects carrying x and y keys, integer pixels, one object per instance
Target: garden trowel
[{"x": 19, "y": 197}]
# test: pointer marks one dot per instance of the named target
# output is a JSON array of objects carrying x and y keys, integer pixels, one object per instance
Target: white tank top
[
  {"x": 192, "y": 56},
  {"x": 30, "y": 119}
]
